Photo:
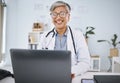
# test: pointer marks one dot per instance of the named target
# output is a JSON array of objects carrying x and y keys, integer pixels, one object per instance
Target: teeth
[{"x": 59, "y": 22}]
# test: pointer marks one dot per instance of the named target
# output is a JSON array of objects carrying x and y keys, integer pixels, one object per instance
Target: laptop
[
  {"x": 107, "y": 78},
  {"x": 41, "y": 66}
]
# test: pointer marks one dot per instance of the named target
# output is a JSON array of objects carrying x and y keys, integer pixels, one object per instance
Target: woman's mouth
[{"x": 59, "y": 22}]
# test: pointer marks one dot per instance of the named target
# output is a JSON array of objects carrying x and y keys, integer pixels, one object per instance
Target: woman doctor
[{"x": 63, "y": 37}]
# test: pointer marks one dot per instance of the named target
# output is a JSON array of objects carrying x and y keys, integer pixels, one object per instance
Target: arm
[{"x": 83, "y": 56}]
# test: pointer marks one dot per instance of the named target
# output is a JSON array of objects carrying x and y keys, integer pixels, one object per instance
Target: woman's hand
[{"x": 72, "y": 76}]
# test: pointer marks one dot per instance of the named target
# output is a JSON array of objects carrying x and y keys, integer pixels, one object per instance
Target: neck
[{"x": 61, "y": 31}]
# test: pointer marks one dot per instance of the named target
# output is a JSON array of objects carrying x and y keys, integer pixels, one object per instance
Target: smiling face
[{"x": 60, "y": 17}]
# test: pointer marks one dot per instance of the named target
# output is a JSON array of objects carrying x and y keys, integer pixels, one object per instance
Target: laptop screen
[
  {"x": 41, "y": 66},
  {"x": 87, "y": 81},
  {"x": 107, "y": 78}
]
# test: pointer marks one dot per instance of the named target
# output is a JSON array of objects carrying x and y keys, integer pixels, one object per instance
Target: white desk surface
[{"x": 87, "y": 75}]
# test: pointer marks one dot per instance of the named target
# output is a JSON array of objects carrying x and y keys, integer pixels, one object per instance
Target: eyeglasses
[{"x": 61, "y": 14}]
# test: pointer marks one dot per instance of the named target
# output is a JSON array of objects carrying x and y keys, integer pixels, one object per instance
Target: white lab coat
[{"x": 79, "y": 65}]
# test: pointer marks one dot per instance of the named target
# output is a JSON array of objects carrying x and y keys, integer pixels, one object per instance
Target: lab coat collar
[
  {"x": 51, "y": 45},
  {"x": 65, "y": 34}
]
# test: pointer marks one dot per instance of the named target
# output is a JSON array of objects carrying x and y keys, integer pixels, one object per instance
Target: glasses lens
[
  {"x": 53, "y": 15},
  {"x": 61, "y": 14}
]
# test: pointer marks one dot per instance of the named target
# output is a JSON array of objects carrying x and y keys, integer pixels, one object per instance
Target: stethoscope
[{"x": 52, "y": 31}]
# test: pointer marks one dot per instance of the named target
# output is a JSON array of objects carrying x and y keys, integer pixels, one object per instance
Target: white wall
[{"x": 101, "y": 14}]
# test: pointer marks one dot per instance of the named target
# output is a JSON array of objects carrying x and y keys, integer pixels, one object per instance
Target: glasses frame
[{"x": 62, "y": 14}]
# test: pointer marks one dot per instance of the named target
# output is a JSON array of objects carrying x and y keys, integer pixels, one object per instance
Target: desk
[{"x": 89, "y": 75}]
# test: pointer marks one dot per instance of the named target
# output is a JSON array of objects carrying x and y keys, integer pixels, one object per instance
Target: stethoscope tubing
[{"x": 52, "y": 31}]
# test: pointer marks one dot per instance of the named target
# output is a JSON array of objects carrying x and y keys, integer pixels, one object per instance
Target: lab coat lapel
[
  {"x": 51, "y": 42},
  {"x": 69, "y": 42}
]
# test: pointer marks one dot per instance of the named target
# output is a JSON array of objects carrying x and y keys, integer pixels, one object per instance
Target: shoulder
[
  {"x": 47, "y": 33},
  {"x": 77, "y": 32}
]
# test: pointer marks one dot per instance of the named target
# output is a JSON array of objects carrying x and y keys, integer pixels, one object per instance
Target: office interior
[{"x": 17, "y": 18}]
